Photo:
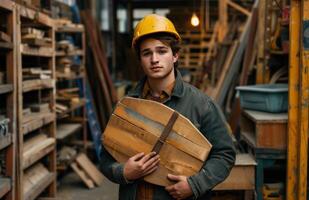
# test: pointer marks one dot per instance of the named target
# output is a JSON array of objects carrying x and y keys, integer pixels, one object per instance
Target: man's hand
[
  {"x": 140, "y": 165},
  {"x": 181, "y": 189}
]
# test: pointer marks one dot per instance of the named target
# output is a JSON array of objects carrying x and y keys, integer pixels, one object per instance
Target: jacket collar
[{"x": 177, "y": 91}]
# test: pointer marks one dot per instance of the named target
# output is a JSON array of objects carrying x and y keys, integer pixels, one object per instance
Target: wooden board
[
  {"x": 90, "y": 169},
  {"x": 5, "y": 186},
  {"x": 86, "y": 179},
  {"x": 136, "y": 125}
]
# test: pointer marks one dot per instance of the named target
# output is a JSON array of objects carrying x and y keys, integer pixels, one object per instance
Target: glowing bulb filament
[{"x": 194, "y": 20}]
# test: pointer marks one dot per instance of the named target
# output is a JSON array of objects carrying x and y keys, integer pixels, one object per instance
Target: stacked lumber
[
  {"x": 100, "y": 81},
  {"x": 35, "y": 37},
  {"x": 36, "y": 73}
]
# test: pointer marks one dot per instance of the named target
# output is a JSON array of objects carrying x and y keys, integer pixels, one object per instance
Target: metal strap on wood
[{"x": 168, "y": 128}]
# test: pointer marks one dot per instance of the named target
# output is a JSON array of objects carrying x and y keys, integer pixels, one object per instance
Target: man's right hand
[{"x": 140, "y": 165}]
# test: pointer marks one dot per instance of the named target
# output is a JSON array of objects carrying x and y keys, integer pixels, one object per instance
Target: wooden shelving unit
[
  {"x": 71, "y": 103},
  {"x": 8, "y": 99},
  {"x": 36, "y": 113}
]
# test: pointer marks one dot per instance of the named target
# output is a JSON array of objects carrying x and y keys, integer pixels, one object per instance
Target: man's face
[{"x": 157, "y": 59}]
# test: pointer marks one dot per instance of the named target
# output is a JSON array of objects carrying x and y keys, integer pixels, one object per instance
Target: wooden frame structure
[
  {"x": 8, "y": 97},
  {"x": 36, "y": 124}
]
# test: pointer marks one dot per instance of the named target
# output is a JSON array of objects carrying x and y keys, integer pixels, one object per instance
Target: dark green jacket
[{"x": 207, "y": 117}]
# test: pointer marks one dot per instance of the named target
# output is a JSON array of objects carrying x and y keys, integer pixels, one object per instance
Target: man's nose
[{"x": 154, "y": 58}]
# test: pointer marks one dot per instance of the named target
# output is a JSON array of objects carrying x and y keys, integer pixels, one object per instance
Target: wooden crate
[{"x": 264, "y": 130}]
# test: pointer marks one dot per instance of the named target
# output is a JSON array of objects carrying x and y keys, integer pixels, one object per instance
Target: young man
[{"x": 156, "y": 43}]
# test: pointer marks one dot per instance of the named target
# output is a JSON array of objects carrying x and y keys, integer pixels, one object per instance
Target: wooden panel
[
  {"x": 37, "y": 84},
  {"x": 90, "y": 169},
  {"x": 136, "y": 125}
]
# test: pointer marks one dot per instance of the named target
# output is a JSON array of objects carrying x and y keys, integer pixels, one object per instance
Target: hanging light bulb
[{"x": 195, "y": 20}]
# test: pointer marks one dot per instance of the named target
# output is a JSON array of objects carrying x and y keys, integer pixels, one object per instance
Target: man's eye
[
  {"x": 146, "y": 54},
  {"x": 162, "y": 51}
]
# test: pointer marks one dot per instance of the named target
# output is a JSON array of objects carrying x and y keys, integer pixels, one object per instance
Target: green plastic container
[{"x": 264, "y": 97}]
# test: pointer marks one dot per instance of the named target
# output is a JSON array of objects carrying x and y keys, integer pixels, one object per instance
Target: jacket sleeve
[
  {"x": 111, "y": 168},
  {"x": 222, "y": 155}
]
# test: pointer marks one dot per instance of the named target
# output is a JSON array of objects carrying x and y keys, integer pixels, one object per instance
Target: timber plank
[
  {"x": 5, "y": 37},
  {"x": 5, "y": 186},
  {"x": 5, "y": 88},
  {"x": 6, "y": 45},
  {"x": 39, "y": 121},
  {"x": 5, "y": 140},
  {"x": 90, "y": 169},
  {"x": 36, "y": 181},
  {"x": 82, "y": 175},
  {"x": 37, "y": 150}
]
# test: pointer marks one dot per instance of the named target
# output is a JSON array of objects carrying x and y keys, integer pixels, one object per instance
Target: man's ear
[{"x": 175, "y": 57}]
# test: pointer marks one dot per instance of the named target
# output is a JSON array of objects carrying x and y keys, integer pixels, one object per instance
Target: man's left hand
[{"x": 181, "y": 189}]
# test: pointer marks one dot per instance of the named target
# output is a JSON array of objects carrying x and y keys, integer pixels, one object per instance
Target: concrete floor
[{"x": 71, "y": 187}]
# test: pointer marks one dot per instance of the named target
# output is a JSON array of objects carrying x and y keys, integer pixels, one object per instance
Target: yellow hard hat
[{"x": 153, "y": 24}]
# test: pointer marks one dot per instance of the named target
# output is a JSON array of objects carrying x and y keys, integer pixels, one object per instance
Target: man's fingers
[
  {"x": 152, "y": 162},
  {"x": 174, "y": 177},
  {"x": 148, "y": 156},
  {"x": 138, "y": 156}
]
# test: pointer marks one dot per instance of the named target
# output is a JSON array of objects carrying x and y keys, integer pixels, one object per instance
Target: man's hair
[{"x": 165, "y": 38}]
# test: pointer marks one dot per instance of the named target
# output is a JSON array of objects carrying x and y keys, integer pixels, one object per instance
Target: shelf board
[
  {"x": 41, "y": 51},
  {"x": 39, "y": 120},
  {"x": 38, "y": 84},
  {"x": 6, "y": 45},
  {"x": 6, "y": 88},
  {"x": 71, "y": 109},
  {"x": 76, "y": 28},
  {"x": 64, "y": 130},
  {"x": 78, "y": 52},
  {"x": 39, "y": 186},
  {"x": 5, "y": 140},
  {"x": 38, "y": 151},
  {"x": 7, "y": 4},
  {"x": 5, "y": 186}
]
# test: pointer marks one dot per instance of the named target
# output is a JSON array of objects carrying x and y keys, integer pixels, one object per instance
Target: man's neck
[{"x": 158, "y": 85}]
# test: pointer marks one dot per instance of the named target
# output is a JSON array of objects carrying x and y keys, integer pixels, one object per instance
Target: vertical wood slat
[
  {"x": 11, "y": 97},
  {"x": 303, "y": 100},
  {"x": 298, "y": 104}
]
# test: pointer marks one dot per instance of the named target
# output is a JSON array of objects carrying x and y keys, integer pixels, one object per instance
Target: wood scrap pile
[
  {"x": 68, "y": 99},
  {"x": 66, "y": 68},
  {"x": 98, "y": 71},
  {"x": 35, "y": 37},
  {"x": 224, "y": 63}
]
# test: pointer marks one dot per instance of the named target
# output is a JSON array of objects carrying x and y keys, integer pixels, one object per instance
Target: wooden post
[{"x": 298, "y": 102}]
